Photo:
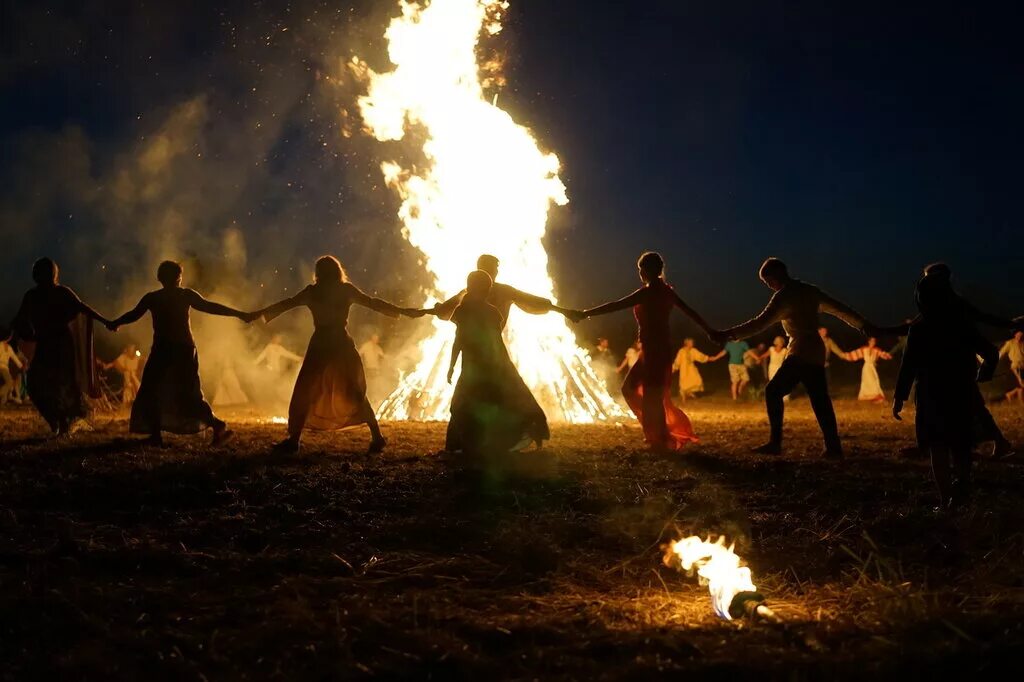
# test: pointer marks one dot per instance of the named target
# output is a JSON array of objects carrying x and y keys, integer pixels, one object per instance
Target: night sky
[{"x": 858, "y": 141}]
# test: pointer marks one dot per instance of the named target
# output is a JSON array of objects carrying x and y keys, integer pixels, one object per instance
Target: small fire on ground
[{"x": 718, "y": 567}]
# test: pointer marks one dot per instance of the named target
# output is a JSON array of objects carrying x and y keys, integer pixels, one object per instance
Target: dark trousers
[{"x": 793, "y": 372}]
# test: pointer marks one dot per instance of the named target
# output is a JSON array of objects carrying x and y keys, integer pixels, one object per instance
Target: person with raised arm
[
  {"x": 493, "y": 410},
  {"x": 170, "y": 397},
  {"x": 330, "y": 391},
  {"x": 647, "y": 388},
  {"x": 45, "y": 316},
  {"x": 797, "y": 305},
  {"x": 870, "y": 382},
  {"x": 690, "y": 381},
  {"x": 502, "y": 296}
]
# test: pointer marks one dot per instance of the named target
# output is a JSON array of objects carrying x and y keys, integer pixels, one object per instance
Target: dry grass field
[{"x": 122, "y": 561}]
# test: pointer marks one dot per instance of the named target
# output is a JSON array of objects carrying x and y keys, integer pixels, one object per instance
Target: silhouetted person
[
  {"x": 330, "y": 391},
  {"x": 832, "y": 350},
  {"x": 647, "y": 388},
  {"x": 938, "y": 278},
  {"x": 502, "y": 296},
  {"x": 45, "y": 316},
  {"x": 941, "y": 358},
  {"x": 797, "y": 305},
  {"x": 493, "y": 409},
  {"x": 170, "y": 397}
]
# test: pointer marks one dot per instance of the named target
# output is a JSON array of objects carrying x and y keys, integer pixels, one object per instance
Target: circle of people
[{"x": 492, "y": 408}]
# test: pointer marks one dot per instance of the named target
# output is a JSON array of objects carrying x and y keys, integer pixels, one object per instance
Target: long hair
[
  {"x": 652, "y": 265},
  {"x": 328, "y": 270}
]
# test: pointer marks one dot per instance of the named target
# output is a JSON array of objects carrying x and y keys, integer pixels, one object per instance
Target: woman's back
[
  {"x": 48, "y": 310},
  {"x": 170, "y": 308},
  {"x": 652, "y": 315}
]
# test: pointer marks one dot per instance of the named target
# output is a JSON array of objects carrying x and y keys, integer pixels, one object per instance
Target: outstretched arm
[
  {"x": 376, "y": 304},
  {"x": 615, "y": 306},
  {"x": 529, "y": 303},
  {"x": 844, "y": 312},
  {"x": 692, "y": 314},
  {"x": 212, "y": 308},
  {"x": 133, "y": 315},
  {"x": 772, "y": 313},
  {"x": 456, "y": 350},
  {"x": 281, "y": 307},
  {"x": 84, "y": 309},
  {"x": 446, "y": 309},
  {"x": 906, "y": 377}
]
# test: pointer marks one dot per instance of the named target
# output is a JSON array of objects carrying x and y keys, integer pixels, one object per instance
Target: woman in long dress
[
  {"x": 330, "y": 391},
  {"x": 690, "y": 381},
  {"x": 45, "y": 316},
  {"x": 170, "y": 398},
  {"x": 870, "y": 383},
  {"x": 493, "y": 409},
  {"x": 647, "y": 388},
  {"x": 775, "y": 355}
]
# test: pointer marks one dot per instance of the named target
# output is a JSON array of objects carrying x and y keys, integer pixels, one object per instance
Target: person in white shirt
[
  {"x": 1014, "y": 350},
  {"x": 372, "y": 355},
  {"x": 8, "y": 387},
  {"x": 274, "y": 353}
]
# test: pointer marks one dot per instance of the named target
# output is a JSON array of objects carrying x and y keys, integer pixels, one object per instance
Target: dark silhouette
[
  {"x": 797, "y": 305},
  {"x": 938, "y": 279},
  {"x": 940, "y": 357},
  {"x": 647, "y": 387},
  {"x": 170, "y": 397},
  {"x": 502, "y": 296},
  {"x": 330, "y": 391},
  {"x": 493, "y": 410},
  {"x": 45, "y": 317}
]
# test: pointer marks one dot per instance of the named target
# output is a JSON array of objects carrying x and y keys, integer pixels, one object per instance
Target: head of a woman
[
  {"x": 328, "y": 271},
  {"x": 872, "y": 342},
  {"x": 169, "y": 273},
  {"x": 651, "y": 266},
  {"x": 779, "y": 343},
  {"x": 688, "y": 343},
  {"x": 45, "y": 272},
  {"x": 478, "y": 285}
]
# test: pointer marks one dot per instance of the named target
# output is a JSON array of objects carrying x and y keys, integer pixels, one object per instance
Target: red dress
[{"x": 648, "y": 385}]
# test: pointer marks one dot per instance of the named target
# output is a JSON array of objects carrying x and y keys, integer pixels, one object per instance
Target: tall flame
[
  {"x": 717, "y": 565},
  {"x": 486, "y": 187}
]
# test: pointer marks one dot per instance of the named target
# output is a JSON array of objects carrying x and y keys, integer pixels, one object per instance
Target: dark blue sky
[{"x": 859, "y": 141}]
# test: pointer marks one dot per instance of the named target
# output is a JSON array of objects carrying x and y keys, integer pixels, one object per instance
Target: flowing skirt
[
  {"x": 53, "y": 382},
  {"x": 647, "y": 392},
  {"x": 171, "y": 395},
  {"x": 690, "y": 380},
  {"x": 493, "y": 411},
  {"x": 330, "y": 391},
  {"x": 870, "y": 384}
]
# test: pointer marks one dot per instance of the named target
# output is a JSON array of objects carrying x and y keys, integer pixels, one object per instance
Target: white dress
[
  {"x": 775, "y": 359},
  {"x": 870, "y": 384}
]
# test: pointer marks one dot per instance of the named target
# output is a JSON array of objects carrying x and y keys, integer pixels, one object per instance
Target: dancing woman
[
  {"x": 493, "y": 410},
  {"x": 647, "y": 386},
  {"x": 330, "y": 392},
  {"x": 870, "y": 383},
  {"x": 170, "y": 397},
  {"x": 44, "y": 317}
]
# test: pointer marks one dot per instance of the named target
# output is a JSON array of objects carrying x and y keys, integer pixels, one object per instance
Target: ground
[{"x": 119, "y": 560}]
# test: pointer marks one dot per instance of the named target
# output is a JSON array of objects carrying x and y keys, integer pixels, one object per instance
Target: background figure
[
  {"x": 739, "y": 375},
  {"x": 274, "y": 355},
  {"x": 797, "y": 305},
  {"x": 690, "y": 381},
  {"x": 647, "y": 388},
  {"x": 604, "y": 363},
  {"x": 941, "y": 358},
  {"x": 832, "y": 350},
  {"x": 45, "y": 316},
  {"x": 228, "y": 390},
  {"x": 8, "y": 357},
  {"x": 330, "y": 391},
  {"x": 170, "y": 396},
  {"x": 127, "y": 365},
  {"x": 1014, "y": 350},
  {"x": 630, "y": 358},
  {"x": 372, "y": 355},
  {"x": 870, "y": 383},
  {"x": 757, "y": 369},
  {"x": 492, "y": 409},
  {"x": 775, "y": 355}
]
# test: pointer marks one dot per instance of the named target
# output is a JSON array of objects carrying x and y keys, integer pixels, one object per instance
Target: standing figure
[
  {"x": 493, "y": 409},
  {"x": 127, "y": 365},
  {"x": 690, "y": 381},
  {"x": 757, "y": 369},
  {"x": 739, "y": 374},
  {"x": 775, "y": 355},
  {"x": 831, "y": 349},
  {"x": 647, "y": 388},
  {"x": 8, "y": 386},
  {"x": 372, "y": 355},
  {"x": 170, "y": 396},
  {"x": 1014, "y": 350},
  {"x": 45, "y": 316},
  {"x": 330, "y": 391},
  {"x": 274, "y": 356},
  {"x": 228, "y": 390},
  {"x": 630, "y": 358},
  {"x": 940, "y": 358},
  {"x": 797, "y": 305},
  {"x": 603, "y": 362},
  {"x": 870, "y": 383}
]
